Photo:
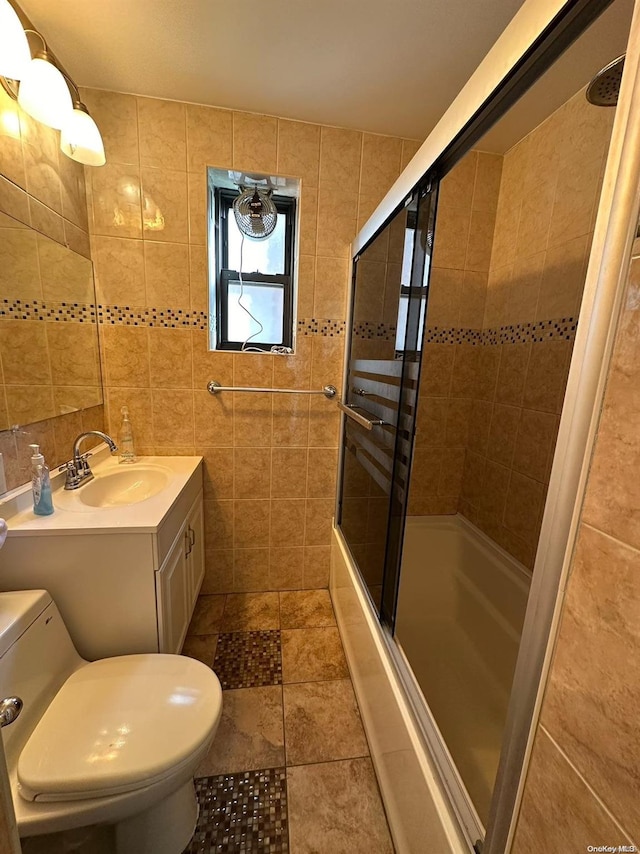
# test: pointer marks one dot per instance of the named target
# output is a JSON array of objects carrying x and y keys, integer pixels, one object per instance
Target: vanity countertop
[{"x": 73, "y": 517}]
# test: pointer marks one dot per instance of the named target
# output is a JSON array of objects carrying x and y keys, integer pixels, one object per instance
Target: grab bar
[
  {"x": 360, "y": 416},
  {"x": 328, "y": 391}
]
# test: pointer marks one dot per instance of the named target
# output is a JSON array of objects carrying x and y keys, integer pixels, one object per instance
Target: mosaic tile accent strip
[
  {"x": 242, "y": 813},
  {"x": 543, "y": 330},
  {"x": 327, "y": 328},
  {"x": 455, "y": 335},
  {"x": 563, "y": 329},
  {"x": 131, "y": 315},
  {"x": 169, "y": 318},
  {"x": 64, "y": 312},
  {"x": 371, "y": 330},
  {"x": 248, "y": 659},
  {"x": 184, "y": 318}
]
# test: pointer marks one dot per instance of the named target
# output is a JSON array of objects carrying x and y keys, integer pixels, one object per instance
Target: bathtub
[
  {"x": 461, "y": 607},
  {"x": 419, "y": 811},
  {"x": 458, "y": 635}
]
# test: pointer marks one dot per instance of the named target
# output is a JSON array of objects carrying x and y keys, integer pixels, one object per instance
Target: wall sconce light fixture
[
  {"x": 15, "y": 55},
  {"x": 80, "y": 138},
  {"x": 44, "y": 91}
]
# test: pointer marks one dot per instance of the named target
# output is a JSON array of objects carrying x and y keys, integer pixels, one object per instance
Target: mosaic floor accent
[
  {"x": 248, "y": 659},
  {"x": 242, "y": 813}
]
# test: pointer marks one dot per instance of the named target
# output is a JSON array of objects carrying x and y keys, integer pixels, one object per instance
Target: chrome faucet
[{"x": 78, "y": 469}]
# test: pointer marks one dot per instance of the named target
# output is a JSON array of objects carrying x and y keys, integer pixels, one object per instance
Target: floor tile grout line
[
  {"x": 295, "y": 628},
  {"x": 285, "y": 766},
  {"x": 261, "y": 770},
  {"x": 284, "y": 725},
  {"x": 320, "y": 681},
  {"x": 329, "y": 761},
  {"x": 314, "y": 681},
  {"x": 284, "y": 728},
  {"x": 284, "y": 684}
]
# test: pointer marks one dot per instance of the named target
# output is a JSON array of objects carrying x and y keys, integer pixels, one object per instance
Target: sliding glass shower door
[{"x": 379, "y": 401}]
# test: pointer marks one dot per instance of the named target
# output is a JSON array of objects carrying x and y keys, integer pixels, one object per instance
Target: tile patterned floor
[
  {"x": 242, "y": 812},
  {"x": 248, "y": 659},
  {"x": 289, "y": 771}
]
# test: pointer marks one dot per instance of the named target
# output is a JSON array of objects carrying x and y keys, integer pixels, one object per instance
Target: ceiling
[{"x": 386, "y": 66}]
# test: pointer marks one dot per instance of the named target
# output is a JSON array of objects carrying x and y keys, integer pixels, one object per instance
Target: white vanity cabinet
[
  {"x": 178, "y": 581},
  {"x": 125, "y": 579}
]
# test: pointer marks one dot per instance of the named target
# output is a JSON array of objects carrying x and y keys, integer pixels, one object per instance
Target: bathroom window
[
  {"x": 252, "y": 300},
  {"x": 405, "y": 282}
]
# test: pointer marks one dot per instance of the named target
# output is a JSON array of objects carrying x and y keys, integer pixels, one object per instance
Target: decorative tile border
[
  {"x": 563, "y": 328},
  {"x": 542, "y": 330},
  {"x": 326, "y": 328},
  {"x": 167, "y": 318},
  {"x": 65, "y": 312},
  {"x": 131, "y": 315},
  {"x": 248, "y": 659},
  {"x": 454, "y": 335},
  {"x": 371, "y": 330},
  {"x": 185, "y": 318},
  {"x": 245, "y": 812}
]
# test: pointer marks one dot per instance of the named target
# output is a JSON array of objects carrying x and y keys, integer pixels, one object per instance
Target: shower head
[{"x": 605, "y": 86}]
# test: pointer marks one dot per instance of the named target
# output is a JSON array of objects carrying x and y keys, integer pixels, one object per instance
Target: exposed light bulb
[
  {"x": 80, "y": 138},
  {"x": 15, "y": 55},
  {"x": 44, "y": 94}
]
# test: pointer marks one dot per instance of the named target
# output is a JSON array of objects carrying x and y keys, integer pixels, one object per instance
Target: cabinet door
[
  {"x": 174, "y": 610},
  {"x": 195, "y": 559}
]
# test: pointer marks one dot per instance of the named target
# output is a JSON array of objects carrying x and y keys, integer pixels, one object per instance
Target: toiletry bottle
[
  {"x": 40, "y": 483},
  {"x": 125, "y": 439}
]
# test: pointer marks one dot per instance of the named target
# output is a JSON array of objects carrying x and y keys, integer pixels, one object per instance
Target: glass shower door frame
[
  {"x": 424, "y": 196},
  {"x": 427, "y": 196},
  {"x": 426, "y": 226}
]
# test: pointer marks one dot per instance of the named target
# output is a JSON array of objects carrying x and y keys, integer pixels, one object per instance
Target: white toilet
[{"x": 111, "y": 742}]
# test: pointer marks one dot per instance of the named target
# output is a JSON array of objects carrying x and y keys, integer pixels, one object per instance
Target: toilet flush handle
[{"x": 10, "y": 708}]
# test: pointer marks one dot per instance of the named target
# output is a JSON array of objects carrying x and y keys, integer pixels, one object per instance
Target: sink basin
[{"x": 119, "y": 488}]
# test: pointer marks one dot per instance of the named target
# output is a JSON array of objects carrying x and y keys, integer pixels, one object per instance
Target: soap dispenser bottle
[
  {"x": 40, "y": 483},
  {"x": 125, "y": 439}
]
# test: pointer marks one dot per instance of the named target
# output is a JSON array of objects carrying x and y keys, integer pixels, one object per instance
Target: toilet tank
[{"x": 36, "y": 657}]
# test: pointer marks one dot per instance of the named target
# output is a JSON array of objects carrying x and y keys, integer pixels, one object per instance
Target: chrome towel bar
[
  {"x": 361, "y": 416},
  {"x": 329, "y": 391}
]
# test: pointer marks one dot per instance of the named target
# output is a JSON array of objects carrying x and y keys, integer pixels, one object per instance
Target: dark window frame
[{"x": 285, "y": 205}]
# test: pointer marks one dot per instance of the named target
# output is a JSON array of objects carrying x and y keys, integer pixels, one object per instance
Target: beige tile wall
[
  {"x": 583, "y": 786},
  {"x": 467, "y": 204},
  {"x": 270, "y": 460},
  {"x": 47, "y": 366},
  {"x": 548, "y": 199},
  {"x": 51, "y": 365},
  {"x": 489, "y": 414},
  {"x": 377, "y": 294}
]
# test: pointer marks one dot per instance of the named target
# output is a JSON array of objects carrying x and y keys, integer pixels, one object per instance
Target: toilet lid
[{"x": 120, "y": 724}]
